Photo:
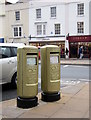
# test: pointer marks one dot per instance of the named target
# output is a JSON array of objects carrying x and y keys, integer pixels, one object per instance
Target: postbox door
[
  {"x": 30, "y": 75},
  {"x": 54, "y": 72}
]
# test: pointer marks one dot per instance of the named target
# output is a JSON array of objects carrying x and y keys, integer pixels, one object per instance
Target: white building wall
[
  {"x": 90, "y": 18},
  {"x": 45, "y": 17},
  {"x": 2, "y": 18},
  {"x": 66, "y": 16},
  {"x": 74, "y": 18},
  {"x": 11, "y": 22}
]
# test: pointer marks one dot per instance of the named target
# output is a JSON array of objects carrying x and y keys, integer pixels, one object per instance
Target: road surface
[{"x": 70, "y": 75}]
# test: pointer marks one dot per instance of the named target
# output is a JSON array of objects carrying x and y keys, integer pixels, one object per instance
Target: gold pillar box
[
  {"x": 50, "y": 73},
  {"x": 27, "y": 76}
]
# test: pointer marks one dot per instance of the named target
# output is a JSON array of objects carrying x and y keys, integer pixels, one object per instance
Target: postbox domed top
[
  {"x": 28, "y": 46},
  {"x": 52, "y": 46}
]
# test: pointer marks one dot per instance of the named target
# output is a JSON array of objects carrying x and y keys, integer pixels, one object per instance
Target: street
[{"x": 70, "y": 75}]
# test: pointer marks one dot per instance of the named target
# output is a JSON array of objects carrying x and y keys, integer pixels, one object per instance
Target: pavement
[
  {"x": 74, "y": 102},
  {"x": 75, "y": 61}
]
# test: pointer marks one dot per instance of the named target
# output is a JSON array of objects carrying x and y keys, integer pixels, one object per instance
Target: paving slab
[
  {"x": 63, "y": 113},
  {"x": 74, "y": 103}
]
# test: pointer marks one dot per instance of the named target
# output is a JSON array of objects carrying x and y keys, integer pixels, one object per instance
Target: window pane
[
  {"x": 15, "y": 51},
  {"x": 38, "y": 13},
  {"x": 16, "y": 31},
  {"x": 39, "y": 29},
  {"x": 5, "y": 52},
  {"x": 80, "y": 9},
  {"x": 44, "y": 29},
  {"x": 17, "y": 14},
  {"x": 53, "y": 11},
  {"x": 20, "y": 32},
  {"x": 57, "y": 28},
  {"x": 80, "y": 27}
]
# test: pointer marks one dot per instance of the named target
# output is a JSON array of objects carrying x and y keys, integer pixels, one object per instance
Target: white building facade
[
  {"x": 17, "y": 22},
  {"x": 65, "y": 23},
  {"x": 51, "y": 23},
  {"x": 2, "y": 20}
]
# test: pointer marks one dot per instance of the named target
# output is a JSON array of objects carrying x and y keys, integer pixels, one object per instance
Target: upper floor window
[
  {"x": 53, "y": 12},
  {"x": 80, "y": 9},
  {"x": 80, "y": 27},
  {"x": 17, "y": 31},
  {"x": 41, "y": 29},
  {"x": 38, "y": 13},
  {"x": 57, "y": 29},
  {"x": 17, "y": 15}
]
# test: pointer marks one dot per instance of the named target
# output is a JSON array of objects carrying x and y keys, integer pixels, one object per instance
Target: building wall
[
  {"x": 11, "y": 21},
  {"x": 45, "y": 17},
  {"x": 2, "y": 18},
  {"x": 90, "y": 17},
  {"x": 73, "y": 18},
  {"x": 66, "y": 16}
]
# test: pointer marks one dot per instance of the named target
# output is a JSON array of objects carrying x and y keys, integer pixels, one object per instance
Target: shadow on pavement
[{"x": 8, "y": 92}]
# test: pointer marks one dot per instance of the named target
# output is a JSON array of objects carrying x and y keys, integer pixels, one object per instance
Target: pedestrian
[
  {"x": 81, "y": 52},
  {"x": 67, "y": 51}
]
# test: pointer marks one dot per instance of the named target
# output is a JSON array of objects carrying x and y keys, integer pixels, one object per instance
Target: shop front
[
  {"x": 75, "y": 42},
  {"x": 59, "y": 43}
]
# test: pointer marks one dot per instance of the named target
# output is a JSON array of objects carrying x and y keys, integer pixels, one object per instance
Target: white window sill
[
  {"x": 17, "y": 37},
  {"x": 80, "y": 15},
  {"x": 52, "y": 17}
]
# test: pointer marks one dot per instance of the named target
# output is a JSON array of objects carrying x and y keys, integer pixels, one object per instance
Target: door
[{"x": 73, "y": 50}]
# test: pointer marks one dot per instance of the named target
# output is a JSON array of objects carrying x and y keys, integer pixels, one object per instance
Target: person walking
[
  {"x": 81, "y": 52},
  {"x": 66, "y": 53}
]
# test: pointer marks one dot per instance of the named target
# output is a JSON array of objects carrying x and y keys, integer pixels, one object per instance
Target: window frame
[
  {"x": 42, "y": 31},
  {"x": 38, "y": 13},
  {"x": 59, "y": 30},
  {"x": 53, "y": 13},
  {"x": 19, "y": 32},
  {"x": 80, "y": 10},
  {"x": 17, "y": 15},
  {"x": 80, "y": 30}
]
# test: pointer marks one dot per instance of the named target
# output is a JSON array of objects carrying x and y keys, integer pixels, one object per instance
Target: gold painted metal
[
  {"x": 27, "y": 71},
  {"x": 50, "y": 69}
]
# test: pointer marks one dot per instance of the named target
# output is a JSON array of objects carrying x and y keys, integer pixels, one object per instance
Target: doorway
[{"x": 73, "y": 50}]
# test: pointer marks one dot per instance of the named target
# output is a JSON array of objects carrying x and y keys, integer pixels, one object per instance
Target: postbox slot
[
  {"x": 31, "y": 53},
  {"x": 54, "y": 52}
]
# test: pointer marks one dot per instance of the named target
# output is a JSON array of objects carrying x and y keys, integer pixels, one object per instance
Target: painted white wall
[
  {"x": 11, "y": 22},
  {"x": 45, "y": 17},
  {"x": 73, "y": 18},
  {"x": 66, "y": 16},
  {"x": 90, "y": 17},
  {"x": 2, "y": 18}
]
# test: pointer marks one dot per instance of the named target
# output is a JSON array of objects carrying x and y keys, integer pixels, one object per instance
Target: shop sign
[{"x": 79, "y": 38}]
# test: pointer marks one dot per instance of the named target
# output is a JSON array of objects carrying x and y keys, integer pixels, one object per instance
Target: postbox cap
[
  {"x": 28, "y": 46},
  {"x": 52, "y": 46}
]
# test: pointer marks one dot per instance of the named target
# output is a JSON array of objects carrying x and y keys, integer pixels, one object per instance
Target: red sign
[{"x": 85, "y": 38}]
